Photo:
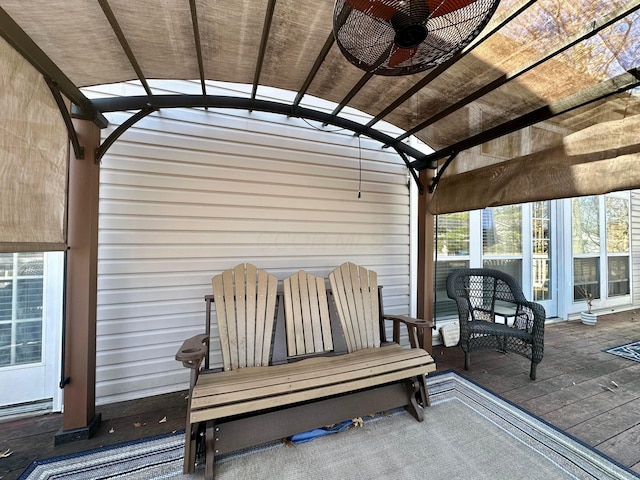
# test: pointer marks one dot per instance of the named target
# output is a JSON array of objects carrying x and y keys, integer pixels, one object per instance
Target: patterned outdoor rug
[
  {"x": 630, "y": 351},
  {"x": 468, "y": 432}
]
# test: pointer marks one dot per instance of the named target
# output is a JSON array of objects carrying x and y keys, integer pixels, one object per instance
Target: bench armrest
[
  {"x": 414, "y": 322},
  {"x": 415, "y": 329},
  {"x": 193, "y": 351}
]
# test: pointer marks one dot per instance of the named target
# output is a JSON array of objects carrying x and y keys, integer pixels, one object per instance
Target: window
[
  {"x": 452, "y": 243},
  {"x": 453, "y": 234},
  {"x": 617, "y": 220},
  {"x": 21, "y": 298},
  {"x": 586, "y": 278},
  {"x": 585, "y": 234},
  {"x": 586, "y": 226},
  {"x": 601, "y": 251},
  {"x": 502, "y": 239}
]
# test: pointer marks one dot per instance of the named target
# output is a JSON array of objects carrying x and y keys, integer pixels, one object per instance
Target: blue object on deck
[{"x": 320, "y": 432}]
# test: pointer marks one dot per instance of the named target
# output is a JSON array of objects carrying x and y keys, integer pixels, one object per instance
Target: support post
[
  {"x": 79, "y": 419},
  {"x": 426, "y": 241}
]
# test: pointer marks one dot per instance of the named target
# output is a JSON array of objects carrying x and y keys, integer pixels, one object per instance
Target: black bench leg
[
  {"x": 190, "y": 447},
  {"x": 467, "y": 361},
  {"x": 413, "y": 407},
  {"x": 210, "y": 441},
  {"x": 534, "y": 367},
  {"x": 424, "y": 392}
]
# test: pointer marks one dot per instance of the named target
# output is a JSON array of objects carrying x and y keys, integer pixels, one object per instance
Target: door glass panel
[
  {"x": 21, "y": 295},
  {"x": 541, "y": 251},
  {"x": 511, "y": 266},
  {"x": 453, "y": 234},
  {"x": 502, "y": 230},
  {"x": 502, "y": 237},
  {"x": 444, "y": 306},
  {"x": 452, "y": 244}
]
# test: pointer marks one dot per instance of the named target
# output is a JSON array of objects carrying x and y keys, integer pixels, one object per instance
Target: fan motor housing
[{"x": 410, "y": 36}]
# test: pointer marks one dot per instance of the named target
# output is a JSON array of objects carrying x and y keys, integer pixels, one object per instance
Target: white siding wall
[
  {"x": 635, "y": 246},
  {"x": 186, "y": 194}
]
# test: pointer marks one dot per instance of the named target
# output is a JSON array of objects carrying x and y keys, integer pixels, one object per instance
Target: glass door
[
  {"x": 543, "y": 266},
  {"x": 30, "y": 319}
]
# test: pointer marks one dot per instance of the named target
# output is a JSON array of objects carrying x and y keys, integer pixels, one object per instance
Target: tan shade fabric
[
  {"x": 33, "y": 159},
  {"x": 599, "y": 159},
  {"x": 533, "y": 54}
]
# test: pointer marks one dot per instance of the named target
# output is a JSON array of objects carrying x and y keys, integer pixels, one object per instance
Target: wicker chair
[{"x": 483, "y": 294}]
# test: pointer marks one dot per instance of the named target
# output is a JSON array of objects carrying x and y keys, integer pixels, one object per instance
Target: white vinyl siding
[
  {"x": 635, "y": 246},
  {"x": 187, "y": 193}
]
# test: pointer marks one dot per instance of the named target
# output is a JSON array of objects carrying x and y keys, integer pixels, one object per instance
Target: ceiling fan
[{"x": 401, "y": 37}]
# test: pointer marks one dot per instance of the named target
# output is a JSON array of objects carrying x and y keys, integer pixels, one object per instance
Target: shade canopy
[{"x": 542, "y": 104}]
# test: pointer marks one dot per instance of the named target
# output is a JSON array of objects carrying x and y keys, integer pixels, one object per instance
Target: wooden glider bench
[{"x": 289, "y": 366}]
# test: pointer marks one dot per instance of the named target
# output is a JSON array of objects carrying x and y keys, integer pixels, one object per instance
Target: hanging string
[{"x": 359, "y": 168}]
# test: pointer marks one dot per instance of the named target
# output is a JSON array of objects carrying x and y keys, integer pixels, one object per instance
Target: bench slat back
[
  {"x": 245, "y": 301},
  {"x": 308, "y": 325},
  {"x": 355, "y": 292}
]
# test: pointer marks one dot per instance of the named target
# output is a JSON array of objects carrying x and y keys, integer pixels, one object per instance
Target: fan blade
[
  {"x": 442, "y": 7},
  {"x": 381, "y": 9},
  {"x": 400, "y": 55}
]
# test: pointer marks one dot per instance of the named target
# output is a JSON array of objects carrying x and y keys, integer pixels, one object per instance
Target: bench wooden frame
[{"x": 312, "y": 378}]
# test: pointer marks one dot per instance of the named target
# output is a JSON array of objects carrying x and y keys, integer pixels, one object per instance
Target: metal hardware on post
[
  {"x": 411, "y": 171},
  {"x": 436, "y": 179}
]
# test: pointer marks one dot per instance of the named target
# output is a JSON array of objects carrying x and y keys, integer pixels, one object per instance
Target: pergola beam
[
  {"x": 196, "y": 39},
  {"x": 119, "y": 104},
  {"x": 78, "y": 150},
  {"x": 352, "y": 93},
  {"x": 123, "y": 127},
  {"x": 115, "y": 26},
  {"x": 268, "y": 20},
  {"x": 316, "y": 66}
]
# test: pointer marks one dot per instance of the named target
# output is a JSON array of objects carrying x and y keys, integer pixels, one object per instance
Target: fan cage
[{"x": 368, "y": 41}]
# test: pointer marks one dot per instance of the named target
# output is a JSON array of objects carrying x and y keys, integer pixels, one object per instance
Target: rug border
[
  {"x": 92, "y": 451},
  {"x": 539, "y": 419},
  {"x": 607, "y": 350}
]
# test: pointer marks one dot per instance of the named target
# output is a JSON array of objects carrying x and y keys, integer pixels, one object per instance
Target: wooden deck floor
[{"x": 590, "y": 394}]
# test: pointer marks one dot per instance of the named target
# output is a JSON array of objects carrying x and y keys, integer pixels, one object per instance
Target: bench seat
[{"x": 251, "y": 389}]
